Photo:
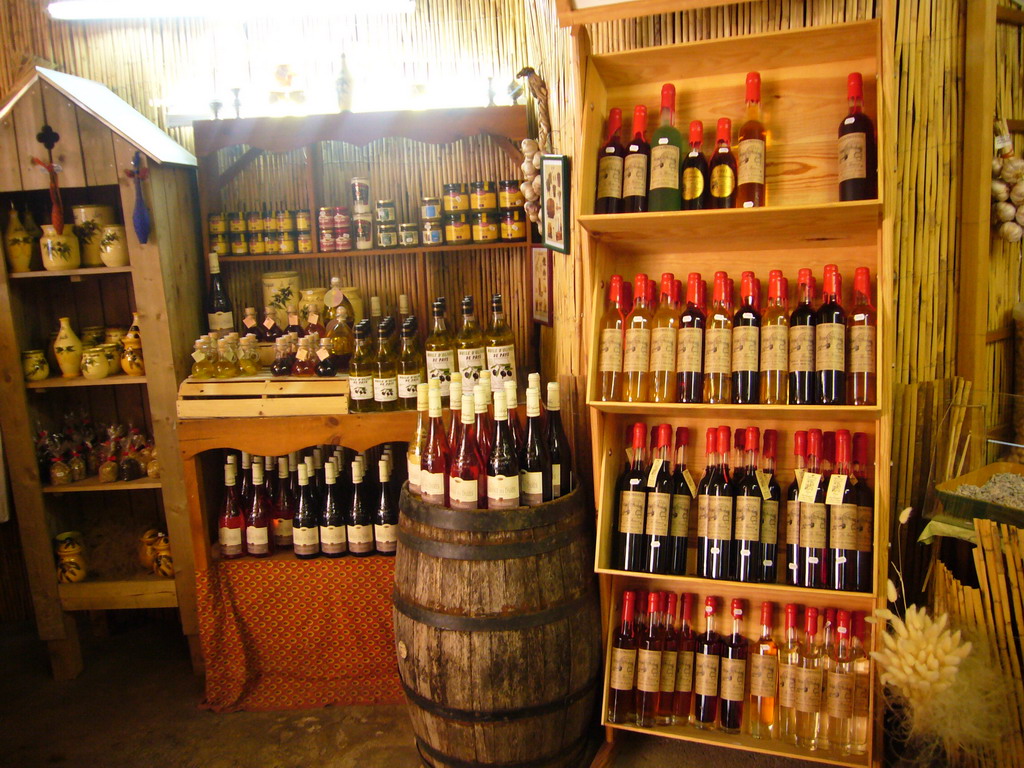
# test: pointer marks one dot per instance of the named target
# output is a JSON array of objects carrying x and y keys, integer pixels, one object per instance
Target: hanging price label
[
  {"x": 690, "y": 482},
  {"x": 836, "y": 487},
  {"x": 629, "y": 455},
  {"x": 763, "y": 478},
  {"x": 322, "y": 353},
  {"x": 809, "y": 487},
  {"x": 652, "y": 476}
]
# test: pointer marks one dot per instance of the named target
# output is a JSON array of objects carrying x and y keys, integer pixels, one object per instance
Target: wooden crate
[{"x": 262, "y": 395}]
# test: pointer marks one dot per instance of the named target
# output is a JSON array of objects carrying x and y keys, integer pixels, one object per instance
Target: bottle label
[
  {"x": 664, "y": 166},
  {"x": 842, "y": 527},
  {"x": 689, "y": 350},
  {"x": 638, "y": 350},
  {"x": 705, "y": 674},
  {"x": 667, "y": 683},
  {"x": 734, "y": 679},
  {"x": 609, "y": 176},
  {"x": 407, "y": 384},
  {"x": 440, "y": 365},
  {"x": 774, "y": 348},
  {"x": 501, "y": 361},
  {"x": 648, "y": 671},
  {"x": 282, "y": 532},
  {"x": 862, "y": 348},
  {"x": 718, "y": 351},
  {"x": 360, "y": 538},
  {"x": 813, "y": 533},
  {"x": 471, "y": 362},
  {"x": 853, "y": 156},
  {"x": 634, "y": 178},
  {"x": 723, "y": 180},
  {"x": 386, "y": 536},
  {"x": 257, "y": 540},
  {"x": 769, "y": 522},
  {"x": 801, "y": 348},
  {"x": 502, "y": 491},
  {"x": 748, "y": 518},
  {"x": 764, "y": 672},
  {"x": 556, "y": 480},
  {"x": 745, "y": 341},
  {"x": 249, "y": 322},
  {"x": 751, "y": 161},
  {"x": 632, "y": 505},
  {"x": 693, "y": 183},
  {"x": 839, "y": 694},
  {"x": 793, "y": 522},
  {"x": 684, "y": 672},
  {"x": 809, "y": 485},
  {"x": 830, "y": 347},
  {"x": 333, "y": 540},
  {"x": 861, "y": 694},
  {"x": 306, "y": 541},
  {"x": 432, "y": 486},
  {"x": 360, "y": 387},
  {"x": 703, "y": 502},
  {"x": 663, "y": 349},
  {"x": 220, "y": 321},
  {"x": 720, "y": 517},
  {"x": 787, "y": 685},
  {"x": 322, "y": 354},
  {"x": 808, "y": 690},
  {"x": 659, "y": 507},
  {"x": 230, "y": 540},
  {"x": 679, "y": 522},
  {"x": 609, "y": 359},
  {"x": 385, "y": 390},
  {"x": 531, "y": 488},
  {"x": 413, "y": 465},
  {"x": 623, "y": 668},
  {"x": 865, "y": 529},
  {"x": 463, "y": 494}
]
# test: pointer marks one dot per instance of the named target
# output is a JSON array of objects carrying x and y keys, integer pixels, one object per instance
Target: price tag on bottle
[
  {"x": 763, "y": 478},
  {"x": 293, "y": 319},
  {"x": 836, "y": 487},
  {"x": 690, "y": 483},
  {"x": 322, "y": 353},
  {"x": 652, "y": 476},
  {"x": 809, "y": 487},
  {"x": 312, "y": 318},
  {"x": 268, "y": 323},
  {"x": 198, "y": 356},
  {"x": 249, "y": 322},
  {"x": 629, "y": 454}
]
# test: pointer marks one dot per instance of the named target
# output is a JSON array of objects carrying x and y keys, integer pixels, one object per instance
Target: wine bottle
[
  {"x": 245, "y": 481},
  {"x": 771, "y": 494},
  {"x": 629, "y": 538},
  {"x": 861, "y": 333},
  {"x": 802, "y": 386},
  {"x": 502, "y": 465},
  {"x": 718, "y": 345},
  {"x": 455, "y": 412},
  {"x": 720, "y": 513},
  {"x": 637, "y": 165},
  {"x": 669, "y": 663},
  {"x": 385, "y": 373},
  {"x": 794, "y": 567},
  {"x": 864, "y": 557},
  {"x": 410, "y": 371},
  {"x": 376, "y": 312},
  {"x": 359, "y": 520},
  {"x": 306, "y": 530},
  {"x": 231, "y": 522},
  {"x": 747, "y": 526},
  {"x": 436, "y": 457},
  {"x": 746, "y": 341},
  {"x": 750, "y": 190},
  {"x": 666, "y": 156},
  {"x": 733, "y": 684},
  {"x": 610, "y": 161},
  {"x": 735, "y": 465},
  {"x": 333, "y": 538},
  {"x": 764, "y": 674},
  {"x": 257, "y": 518},
  {"x": 843, "y": 521},
  {"x": 789, "y": 674},
  {"x": 414, "y": 456},
  {"x": 683, "y": 697},
  {"x": 774, "y": 379},
  {"x": 500, "y": 346},
  {"x": 813, "y": 517},
  {"x": 360, "y": 371},
  {"x": 808, "y": 684},
  {"x": 664, "y": 333},
  {"x": 650, "y": 646},
  {"x": 637, "y": 352},
  {"x": 707, "y": 660},
  {"x": 840, "y": 686},
  {"x": 858, "y": 155},
  {"x": 440, "y": 349},
  {"x": 722, "y": 168},
  {"x": 469, "y": 345},
  {"x": 612, "y": 341},
  {"x": 682, "y": 500},
  {"x": 534, "y": 458},
  {"x": 220, "y": 315},
  {"x": 696, "y": 186},
  {"x": 862, "y": 687},
  {"x": 690, "y": 345},
  {"x": 830, "y": 342},
  {"x": 316, "y": 477},
  {"x": 284, "y": 507},
  {"x": 385, "y": 517},
  {"x": 404, "y": 309},
  {"x": 621, "y": 697},
  {"x": 512, "y": 405},
  {"x": 558, "y": 445},
  {"x": 659, "y": 503},
  {"x": 704, "y": 500},
  {"x": 465, "y": 488}
]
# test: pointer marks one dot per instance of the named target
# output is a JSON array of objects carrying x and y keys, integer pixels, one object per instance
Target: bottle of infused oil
[{"x": 637, "y": 351}]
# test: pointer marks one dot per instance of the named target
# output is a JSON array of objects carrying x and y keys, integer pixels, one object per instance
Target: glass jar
[
  {"x": 387, "y": 236},
  {"x": 325, "y": 218},
  {"x": 432, "y": 232},
  {"x": 456, "y": 198},
  {"x": 513, "y": 225},
  {"x": 216, "y": 224},
  {"x": 236, "y": 222},
  {"x": 408, "y": 235},
  {"x": 254, "y": 221},
  {"x": 304, "y": 242},
  {"x": 302, "y": 220},
  {"x": 202, "y": 365},
  {"x": 286, "y": 221},
  {"x": 271, "y": 243},
  {"x": 327, "y": 239},
  {"x": 360, "y": 195},
  {"x": 248, "y": 356},
  {"x": 343, "y": 240},
  {"x": 286, "y": 242},
  {"x": 219, "y": 244},
  {"x": 341, "y": 218},
  {"x": 430, "y": 208},
  {"x": 363, "y": 231},
  {"x": 257, "y": 246},
  {"x": 270, "y": 222},
  {"x": 239, "y": 244},
  {"x": 386, "y": 212},
  {"x": 510, "y": 195},
  {"x": 484, "y": 226},
  {"x": 456, "y": 228},
  {"x": 482, "y": 196}
]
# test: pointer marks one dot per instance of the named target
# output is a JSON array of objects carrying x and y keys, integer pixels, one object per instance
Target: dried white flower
[
  {"x": 905, "y": 515},
  {"x": 890, "y": 591}
]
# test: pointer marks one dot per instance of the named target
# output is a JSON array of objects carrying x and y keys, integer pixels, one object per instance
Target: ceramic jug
[
  {"x": 163, "y": 563},
  {"x": 113, "y": 248},
  {"x": 94, "y": 363},
  {"x": 311, "y": 301},
  {"x": 67, "y": 348},
  {"x": 18, "y": 243},
  {"x": 71, "y": 565},
  {"x": 60, "y": 251},
  {"x": 33, "y": 363},
  {"x": 133, "y": 333},
  {"x": 132, "y": 362}
]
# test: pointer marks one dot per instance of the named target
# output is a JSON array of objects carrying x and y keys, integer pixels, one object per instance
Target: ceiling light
[{"x": 82, "y": 10}]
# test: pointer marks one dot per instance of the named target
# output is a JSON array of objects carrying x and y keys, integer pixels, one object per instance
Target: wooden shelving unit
[
  {"x": 803, "y": 77},
  {"x": 93, "y": 485},
  {"x": 70, "y": 273},
  {"x": 55, "y": 382},
  {"x": 418, "y": 251},
  {"x": 141, "y": 591}
]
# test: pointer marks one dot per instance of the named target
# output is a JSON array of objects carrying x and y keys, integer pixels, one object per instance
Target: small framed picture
[
  {"x": 554, "y": 202},
  {"x": 541, "y": 286}
]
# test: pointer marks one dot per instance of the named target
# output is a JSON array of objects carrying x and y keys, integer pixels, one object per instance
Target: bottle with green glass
[
  {"x": 360, "y": 371},
  {"x": 469, "y": 345},
  {"x": 440, "y": 349},
  {"x": 666, "y": 156},
  {"x": 500, "y": 346},
  {"x": 410, "y": 369},
  {"x": 385, "y": 374}
]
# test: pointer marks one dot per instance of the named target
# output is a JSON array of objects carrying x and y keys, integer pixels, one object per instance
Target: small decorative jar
[
  {"x": 219, "y": 243},
  {"x": 254, "y": 221},
  {"x": 360, "y": 195},
  {"x": 236, "y": 223},
  {"x": 132, "y": 362},
  {"x": 311, "y": 301},
  {"x": 303, "y": 223},
  {"x": 408, "y": 235},
  {"x": 146, "y": 543},
  {"x": 386, "y": 212},
  {"x": 387, "y": 236},
  {"x": 33, "y": 363},
  {"x": 113, "y": 251},
  {"x": 92, "y": 335},
  {"x": 18, "y": 243},
  {"x": 456, "y": 228},
  {"x": 113, "y": 355},
  {"x": 239, "y": 243},
  {"x": 94, "y": 364},
  {"x": 286, "y": 221},
  {"x": 257, "y": 244},
  {"x": 430, "y": 209},
  {"x": 60, "y": 251},
  {"x": 216, "y": 224},
  {"x": 71, "y": 564},
  {"x": 456, "y": 198},
  {"x": 304, "y": 242},
  {"x": 432, "y": 233},
  {"x": 89, "y": 223},
  {"x": 363, "y": 227},
  {"x": 115, "y": 336},
  {"x": 286, "y": 242},
  {"x": 484, "y": 227},
  {"x": 513, "y": 225},
  {"x": 509, "y": 194},
  {"x": 482, "y": 196},
  {"x": 67, "y": 348},
  {"x": 163, "y": 563}
]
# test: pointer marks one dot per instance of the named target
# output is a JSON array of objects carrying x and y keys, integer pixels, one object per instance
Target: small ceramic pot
[
  {"x": 113, "y": 246},
  {"x": 94, "y": 363},
  {"x": 163, "y": 563},
  {"x": 71, "y": 564},
  {"x": 113, "y": 355},
  {"x": 280, "y": 289},
  {"x": 33, "y": 362},
  {"x": 133, "y": 332},
  {"x": 132, "y": 362},
  {"x": 89, "y": 223},
  {"x": 60, "y": 251},
  {"x": 67, "y": 348},
  {"x": 92, "y": 335}
]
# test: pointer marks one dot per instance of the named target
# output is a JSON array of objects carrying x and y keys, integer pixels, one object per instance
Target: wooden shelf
[
  {"x": 83, "y": 272},
  {"x": 93, "y": 484},
  {"x": 377, "y": 252},
  {"x": 286, "y": 556},
  {"x": 80, "y": 381},
  {"x": 808, "y": 414},
  {"x": 142, "y": 591}
]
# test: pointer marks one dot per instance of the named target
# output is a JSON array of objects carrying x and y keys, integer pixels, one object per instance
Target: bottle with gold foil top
[
  {"x": 718, "y": 346},
  {"x": 746, "y": 342},
  {"x": 696, "y": 187},
  {"x": 750, "y": 189},
  {"x": 609, "y": 359},
  {"x": 861, "y": 341},
  {"x": 775, "y": 343},
  {"x": 637, "y": 350},
  {"x": 664, "y": 332}
]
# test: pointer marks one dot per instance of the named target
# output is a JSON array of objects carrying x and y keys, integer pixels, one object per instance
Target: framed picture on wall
[
  {"x": 541, "y": 286},
  {"x": 554, "y": 202}
]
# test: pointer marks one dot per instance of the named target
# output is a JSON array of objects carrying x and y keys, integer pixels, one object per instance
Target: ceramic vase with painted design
[
  {"x": 60, "y": 250},
  {"x": 89, "y": 223},
  {"x": 67, "y": 348}
]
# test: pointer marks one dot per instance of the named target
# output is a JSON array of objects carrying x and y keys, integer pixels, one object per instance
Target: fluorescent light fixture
[{"x": 83, "y": 10}]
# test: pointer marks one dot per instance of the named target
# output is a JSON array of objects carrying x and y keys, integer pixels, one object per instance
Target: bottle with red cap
[
  {"x": 722, "y": 168},
  {"x": 636, "y": 356},
  {"x": 789, "y": 666},
  {"x": 809, "y": 678},
  {"x": 621, "y": 696},
  {"x": 664, "y": 340},
  {"x": 659, "y": 504},
  {"x": 690, "y": 343},
  {"x": 720, "y": 514},
  {"x": 828, "y": 453},
  {"x": 840, "y": 688},
  {"x": 733, "y": 684},
  {"x": 750, "y": 187},
  {"x": 687, "y": 641},
  {"x": 669, "y": 662},
  {"x": 842, "y": 536},
  {"x": 802, "y": 387},
  {"x": 612, "y": 342},
  {"x": 683, "y": 489},
  {"x": 858, "y": 154},
  {"x": 436, "y": 459},
  {"x": 706, "y": 664},
  {"x": 862, "y": 687},
  {"x": 746, "y": 344},
  {"x": 764, "y": 675},
  {"x": 813, "y": 520},
  {"x": 704, "y": 499},
  {"x": 666, "y": 156},
  {"x": 864, "y": 558},
  {"x": 774, "y": 378},
  {"x": 747, "y": 523},
  {"x": 629, "y": 537},
  {"x": 610, "y": 160},
  {"x": 794, "y": 569},
  {"x": 636, "y": 167},
  {"x": 861, "y": 336},
  {"x": 718, "y": 345},
  {"x": 735, "y": 467},
  {"x": 767, "y": 550},
  {"x": 650, "y": 646},
  {"x": 696, "y": 186},
  {"x": 830, "y": 342},
  {"x": 467, "y": 479}
]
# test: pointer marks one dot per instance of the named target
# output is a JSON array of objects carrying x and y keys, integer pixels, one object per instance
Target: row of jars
[
  {"x": 231, "y": 356},
  {"x": 93, "y": 240},
  {"x": 99, "y": 353}
]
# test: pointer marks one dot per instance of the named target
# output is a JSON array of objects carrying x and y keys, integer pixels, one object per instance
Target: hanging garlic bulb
[
  {"x": 1017, "y": 193},
  {"x": 997, "y": 166},
  {"x": 1013, "y": 170},
  {"x": 1011, "y": 231},
  {"x": 1004, "y": 211},
  {"x": 1020, "y": 216},
  {"x": 528, "y": 190},
  {"x": 1000, "y": 190}
]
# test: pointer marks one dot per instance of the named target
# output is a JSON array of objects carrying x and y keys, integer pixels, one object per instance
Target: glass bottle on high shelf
[
  {"x": 659, "y": 503},
  {"x": 704, "y": 500},
  {"x": 764, "y": 674},
  {"x": 775, "y": 342},
  {"x": 637, "y": 351},
  {"x": 865, "y": 561},
  {"x": 385, "y": 374},
  {"x": 802, "y": 388},
  {"x": 767, "y": 557},
  {"x": 500, "y": 346},
  {"x": 414, "y": 456},
  {"x": 862, "y": 329},
  {"x": 830, "y": 342},
  {"x": 843, "y": 521},
  {"x": 609, "y": 358},
  {"x": 664, "y": 331},
  {"x": 469, "y": 345},
  {"x": 231, "y": 523},
  {"x": 669, "y": 663},
  {"x": 219, "y": 313},
  {"x": 284, "y": 507},
  {"x": 690, "y": 343},
  {"x": 666, "y": 156},
  {"x": 306, "y": 526},
  {"x": 722, "y": 168},
  {"x": 650, "y": 647},
  {"x": 682, "y": 500},
  {"x": 621, "y": 696},
  {"x": 808, "y": 684},
  {"x": 465, "y": 489},
  {"x": 683, "y": 698},
  {"x": 718, "y": 346},
  {"x": 789, "y": 665},
  {"x": 862, "y": 687},
  {"x": 813, "y": 517},
  {"x": 629, "y": 537},
  {"x": 735, "y": 650},
  {"x": 750, "y": 189},
  {"x": 840, "y": 687},
  {"x": 534, "y": 459},
  {"x": 385, "y": 517},
  {"x": 410, "y": 369},
  {"x": 696, "y": 186},
  {"x": 747, "y": 526},
  {"x": 359, "y": 520},
  {"x": 360, "y": 371},
  {"x": 720, "y": 512},
  {"x": 436, "y": 454},
  {"x": 858, "y": 155},
  {"x": 502, "y": 466},
  {"x": 707, "y": 660},
  {"x": 271, "y": 330},
  {"x": 636, "y": 166},
  {"x": 257, "y": 518},
  {"x": 609, "y": 167},
  {"x": 558, "y": 445},
  {"x": 440, "y": 349},
  {"x": 746, "y": 341}
]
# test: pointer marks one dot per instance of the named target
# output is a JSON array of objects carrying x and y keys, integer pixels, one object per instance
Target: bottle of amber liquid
[
  {"x": 696, "y": 192},
  {"x": 861, "y": 335},
  {"x": 830, "y": 342},
  {"x": 764, "y": 675},
  {"x": 669, "y": 663},
  {"x": 802, "y": 390},
  {"x": 722, "y": 169},
  {"x": 746, "y": 341},
  {"x": 663, "y": 343},
  {"x": 609, "y": 168},
  {"x": 385, "y": 376},
  {"x": 775, "y": 342},
  {"x": 613, "y": 329},
  {"x": 718, "y": 346},
  {"x": 637, "y": 352},
  {"x": 750, "y": 191},
  {"x": 690, "y": 343}
]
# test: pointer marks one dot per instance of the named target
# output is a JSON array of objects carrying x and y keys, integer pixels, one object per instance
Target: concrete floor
[{"x": 136, "y": 704}]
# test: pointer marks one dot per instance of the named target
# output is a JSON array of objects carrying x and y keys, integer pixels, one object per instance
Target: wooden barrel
[{"x": 497, "y": 632}]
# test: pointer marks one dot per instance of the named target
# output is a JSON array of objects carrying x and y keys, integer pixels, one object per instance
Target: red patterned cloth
[{"x": 293, "y": 634}]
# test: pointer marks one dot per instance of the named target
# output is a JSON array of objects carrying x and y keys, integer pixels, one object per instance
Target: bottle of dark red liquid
[
  {"x": 621, "y": 698},
  {"x": 669, "y": 663},
  {"x": 650, "y": 646},
  {"x": 802, "y": 389},
  {"x": 767, "y": 557},
  {"x": 609, "y": 167},
  {"x": 720, "y": 513},
  {"x": 858, "y": 155},
  {"x": 794, "y": 569},
  {"x": 865, "y": 561},
  {"x": 723, "y": 168},
  {"x": 842, "y": 538},
  {"x": 746, "y": 344},
  {"x": 747, "y": 526},
  {"x": 830, "y": 342},
  {"x": 707, "y": 660},
  {"x": 683, "y": 699},
  {"x": 696, "y": 187},
  {"x": 682, "y": 502},
  {"x": 735, "y": 650},
  {"x": 629, "y": 537},
  {"x": 637, "y": 165},
  {"x": 231, "y": 523},
  {"x": 690, "y": 343},
  {"x": 704, "y": 500},
  {"x": 814, "y": 522},
  {"x": 659, "y": 503}
]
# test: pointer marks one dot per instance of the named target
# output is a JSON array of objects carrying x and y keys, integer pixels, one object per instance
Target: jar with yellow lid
[
  {"x": 304, "y": 242},
  {"x": 482, "y": 196},
  {"x": 219, "y": 244},
  {"x": 484, "y": 226},
  {"x": 239, "y": 244},
  {"x": 303, "y": 221},
  {"x": 456, "y": 228},
  {"x": 217, "y": 224},
  {"x": 236, "y": 222},
  {"x": 254, "y": 221},
  {"x": 456, "y": 198},
  {"x": 257, "y": 246},
  {"x": 286, "y": 242}
]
